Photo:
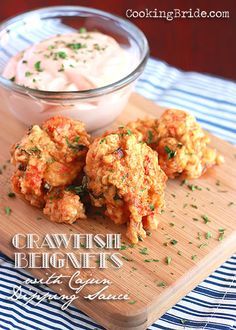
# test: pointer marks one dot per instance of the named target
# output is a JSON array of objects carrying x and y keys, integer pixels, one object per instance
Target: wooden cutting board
[{"x": 154, "y": 287}]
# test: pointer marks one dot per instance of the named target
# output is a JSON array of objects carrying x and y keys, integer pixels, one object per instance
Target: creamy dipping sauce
[{"x": 70, "y": 62}]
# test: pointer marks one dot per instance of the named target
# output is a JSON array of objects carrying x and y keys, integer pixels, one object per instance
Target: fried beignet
[
  {"x": 63, "y": 206},
  {"x": 181, "y": 143},
  {"x": 49, "y": 156},
  {"x": 124, "y": 176}
]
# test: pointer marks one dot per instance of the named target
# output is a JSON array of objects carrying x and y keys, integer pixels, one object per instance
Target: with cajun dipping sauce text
[{"x": 71, "y": 62}]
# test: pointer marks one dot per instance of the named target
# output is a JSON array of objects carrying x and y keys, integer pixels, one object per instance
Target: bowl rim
[{"x": 84, "y": 94}]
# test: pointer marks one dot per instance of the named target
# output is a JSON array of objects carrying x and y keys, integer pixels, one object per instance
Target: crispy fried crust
[
  {"x": 124, "y": 176},
  {"x": 63, "y": 206},
  {"x": 49, "y": 156},
  {"x": 181, "y": 143}
]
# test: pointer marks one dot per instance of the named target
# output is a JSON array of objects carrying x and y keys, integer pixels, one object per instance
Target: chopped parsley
[
  {"x": 76, "y": 46},
  {"x": 37, "y": 66},
  {"x": 8, "y": 210},
  {"x": 202, "y": 245},
  {"x": 78, "y": 190},
  {"x": 161, "y": 284},
  {"x": 61, "y": 55},
  {"x": 208, "y": 235},
  {"x": 170, "y": 153},
  {"x": 82, "y": 30},
  {"x": 129, "y": 132},
  {"x": 173, "y": 242},
  {"x": 150, "y": 137},
  {"x": 152, "y": 207},
  {"x": 143, "y": 251},
  {"x": 75, "y": 146},
  {"x": 183, "y": 182},
  {"x": 132, "y": 302},
  {"x": 11, "y": 194},
  {"x": 193, "y": 187},
  {"x": 222, "y": 233},
  {"x": 28, "y": 74},
  {"x": 205, "y": 218},
  {"x": 168, "y": 260},
  {"x": 151, "y": 260},
  {"x": 13, "y": 79},
  {"x": 193, "y": 257},
  {"x": 102, "y": 140},
  {"x": 127, "y": 259}
]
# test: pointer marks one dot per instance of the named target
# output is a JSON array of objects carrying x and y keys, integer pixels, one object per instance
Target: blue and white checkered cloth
[{"x": 212, "y": 304}]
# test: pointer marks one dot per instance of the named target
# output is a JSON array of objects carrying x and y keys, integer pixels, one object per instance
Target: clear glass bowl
[{"x": 95, "y": 107}]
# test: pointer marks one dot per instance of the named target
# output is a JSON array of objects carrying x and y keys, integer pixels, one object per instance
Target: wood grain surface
[{"x": 141, "y": 279}]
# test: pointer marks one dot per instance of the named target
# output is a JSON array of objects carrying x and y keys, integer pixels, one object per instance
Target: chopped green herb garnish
[
  {"x": 102, "y": 140},
  {"x": 11, "y": 194},
  {"x": 149, "y": 233},
  {"x": 8, "y": 210},
  {"x": 179, "y": 253},
  {"x": 195, "y": 219},
  {"x": 143, "y": 251},
  {"x": 161, "y": 284},
  {"x": 205, "y": 218},
  {"x": 150, "y": 137},
  {"x": 79, "y": 190},
  {"x": 193, "y": 187},
  {"x": 171, "y": 224},
  {"x": 123, "y": 247},
  {"x": 194, "y": 257},
  {"x": 199, "y": 236},
  {"x": 183, "y": 321},
  {"x": 222, "y": 233},
  {"x": 208, "y": 235},
  {"x": 61, "y": 54},
  {"x": 168, "y": 260},
  {"x": 183, "y": 182},
  {"x": 193, "y": 206},
  {"x": 202, "y": 245},
  {"x": 132, "y": 302},
  {"x": 129, "y": 132},
  {"x": 152, "y": 207},
  {"x": 170, "y": 153},
  {"x": 75, "y": 146},
  {"x": 151, "y": 260},
  {"x": 28, "y": 74},
  {"x": 37, "y": 66},
  {"x": 127, "y": 259},
  {"x": 82, "y": 30},
  {"x": 76, "y": 46},
  {"x": 173, "y": 242}
]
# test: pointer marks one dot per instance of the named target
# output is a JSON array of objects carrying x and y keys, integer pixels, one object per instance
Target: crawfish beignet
[
  {"x": 124, "y": 176},
  {"x": 49, "y": 156},
  {"x": 63, "y": 206},
  {"x": 181, "y": 143}
]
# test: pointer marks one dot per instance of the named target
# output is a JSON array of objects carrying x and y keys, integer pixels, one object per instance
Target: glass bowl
[{"x": 95, "y": 107}]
